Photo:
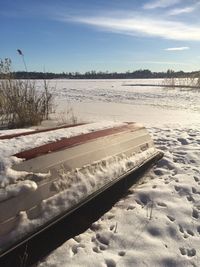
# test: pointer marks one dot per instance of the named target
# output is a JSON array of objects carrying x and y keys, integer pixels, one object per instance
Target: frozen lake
[{"x": 96, "y": 100}]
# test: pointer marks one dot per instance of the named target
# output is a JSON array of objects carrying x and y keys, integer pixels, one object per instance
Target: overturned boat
[{"x": 60, "y": 176}]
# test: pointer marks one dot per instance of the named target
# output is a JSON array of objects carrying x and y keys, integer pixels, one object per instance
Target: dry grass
[
  {"x": 66, "y": 116},
  {"x": 21, "y": 104},
  {"x": 190, "y": 82}
]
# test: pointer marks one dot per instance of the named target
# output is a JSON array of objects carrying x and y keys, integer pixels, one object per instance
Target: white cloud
[
  {"x": 143, "y": 26},
  {"x": 161, "y": 4},
  {"x": 178, "y": 11},
  {"x": 177, "y": 48}
]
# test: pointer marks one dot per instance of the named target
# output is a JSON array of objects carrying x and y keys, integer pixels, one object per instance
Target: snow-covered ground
[{"x": 158, "y": 223}]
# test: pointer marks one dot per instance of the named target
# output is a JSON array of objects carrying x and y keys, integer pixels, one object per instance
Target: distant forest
[{"x": 138, "y": 74}]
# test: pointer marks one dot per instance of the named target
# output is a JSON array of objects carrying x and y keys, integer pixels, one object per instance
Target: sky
[{"x": 101, "y": 35}]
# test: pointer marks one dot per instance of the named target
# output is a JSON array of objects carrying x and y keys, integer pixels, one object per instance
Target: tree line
[{"x": 138, "y": 74}]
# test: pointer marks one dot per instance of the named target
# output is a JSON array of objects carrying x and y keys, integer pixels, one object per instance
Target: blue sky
[{"x": 113, "y": 35}]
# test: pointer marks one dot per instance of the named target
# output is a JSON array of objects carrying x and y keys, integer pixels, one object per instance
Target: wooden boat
[{"x": 74, "y": 170}]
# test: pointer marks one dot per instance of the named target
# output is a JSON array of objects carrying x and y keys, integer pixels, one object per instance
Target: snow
[
  {"x": 13, "y": 190},
  {"x": 157, "y": 222},
  {"x": 14, "y": 131}
]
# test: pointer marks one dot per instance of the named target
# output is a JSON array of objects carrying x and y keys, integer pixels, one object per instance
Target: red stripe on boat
[{"x": 73, "y": 141}]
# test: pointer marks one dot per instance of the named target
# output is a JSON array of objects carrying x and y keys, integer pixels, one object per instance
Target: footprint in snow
[
  {"x": 187, "y": 233},
  {"x": 96, "y": 250},
  {"x": 111, "y": 216},
  {"x": 93, "y": 239},
  {"x": 96, "y": 226},
  {"x": 162, "y": 204},
  {"x": 108, "y": 216},
  {"x": 144, "y": 199},
  {"x": 171, "y": 231},
  {"x": 103, "y": 247},
  {"x": 131, "y": 207},
  {"x": 76, "y": 247},
  {"x": 194, "y": 191},
  {"x": 190, "y": 198},
  {"x": 195, "y": 214},
  {"x": 112, "y": 227},
  {"x": 182, "y": 161},
  {"x": 198, "y": 229},
  {"x": 77, "y": 239},
  {"x": 103, "y": 239},
  {"x": 192, "y": 134},
  {"x": 154, "y": 231},
  {"x": 190, "y": 232},
  {"x": 181, "y": 229},
  {"x": 177, "y": 188},
  {"x": 188, "y": 252},
  {"x": 185, "y": 236},
  {"x": 110, "y": 263},
  {"x": 101, "y": 243},
  {"x": 122, "y": 253},
  {"x": 183, "y": 141},
  {"x": 171, "y": 218}
]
